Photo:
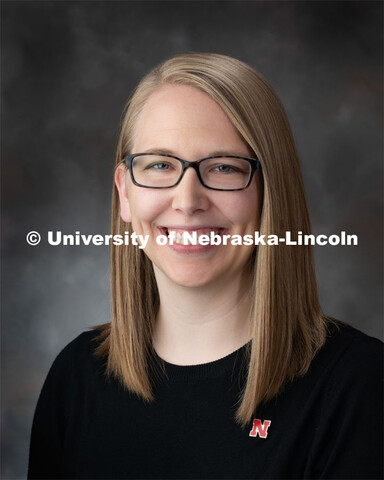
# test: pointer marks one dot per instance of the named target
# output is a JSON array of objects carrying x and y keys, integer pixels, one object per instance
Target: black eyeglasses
[{"x": 223, "y": 172}]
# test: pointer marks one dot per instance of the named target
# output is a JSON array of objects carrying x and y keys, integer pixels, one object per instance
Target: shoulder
[
  {"x": 79, "y": 346},
  {"x": 350, "y": 358},
  {"x": 77, "y": 358},
  {"x": 347, "y": 343},
  {"x": 344, "y": 390}
]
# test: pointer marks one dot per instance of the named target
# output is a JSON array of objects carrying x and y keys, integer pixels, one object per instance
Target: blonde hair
[{"x": 288, "y": 325}]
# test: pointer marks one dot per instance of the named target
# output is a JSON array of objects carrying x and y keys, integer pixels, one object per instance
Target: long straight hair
[{"x": 288, "y": 327}]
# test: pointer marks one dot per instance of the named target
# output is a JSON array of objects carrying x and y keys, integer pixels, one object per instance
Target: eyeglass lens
[{"x": 218, "y": 172}]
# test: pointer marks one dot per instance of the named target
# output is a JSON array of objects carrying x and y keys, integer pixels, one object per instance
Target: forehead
[{"x": 183, "y": 118}]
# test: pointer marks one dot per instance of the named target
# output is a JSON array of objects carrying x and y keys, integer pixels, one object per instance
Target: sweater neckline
[{"x": 217, "y": 368}]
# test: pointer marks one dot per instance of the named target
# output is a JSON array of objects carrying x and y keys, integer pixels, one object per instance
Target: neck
[{"x": 201, "y": 324}]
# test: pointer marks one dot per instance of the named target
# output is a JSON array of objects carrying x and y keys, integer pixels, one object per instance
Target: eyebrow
[{"x": 215, "y": 153}]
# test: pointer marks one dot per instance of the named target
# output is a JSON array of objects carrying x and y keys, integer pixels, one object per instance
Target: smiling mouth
[{"x": 181, "y": 236}]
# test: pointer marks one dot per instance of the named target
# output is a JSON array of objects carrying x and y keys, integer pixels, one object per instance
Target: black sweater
[{"x": 327, "y": 424}]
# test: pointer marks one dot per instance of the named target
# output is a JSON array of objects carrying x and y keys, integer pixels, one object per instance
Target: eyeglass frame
[{"x": 254, "y": 162}]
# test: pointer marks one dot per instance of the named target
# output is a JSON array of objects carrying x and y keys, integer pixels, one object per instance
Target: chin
[
  {"x": 191, "y": 281},
  {"x": 191, "y": 277}
]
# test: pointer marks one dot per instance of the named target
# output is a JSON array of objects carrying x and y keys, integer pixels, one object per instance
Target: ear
[{"x": 121, "y": 184}]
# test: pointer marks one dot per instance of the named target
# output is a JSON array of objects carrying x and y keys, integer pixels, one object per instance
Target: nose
[{"x": 190, "y": 196}]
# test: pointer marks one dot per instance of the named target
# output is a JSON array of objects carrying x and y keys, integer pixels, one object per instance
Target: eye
[
  {"x": 158, "y": 166},
  {"x": 225, "y": 168}
]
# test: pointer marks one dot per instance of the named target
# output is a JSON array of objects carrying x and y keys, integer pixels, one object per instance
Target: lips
[{"x": 189, "y": 236}]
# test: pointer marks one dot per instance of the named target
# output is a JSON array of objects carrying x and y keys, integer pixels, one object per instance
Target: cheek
[
  {"x": 146, "y": 205},
  {"x": 243, "y": 208}
]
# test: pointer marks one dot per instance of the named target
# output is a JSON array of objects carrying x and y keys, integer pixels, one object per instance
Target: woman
[{"x": 218, "y": 362}]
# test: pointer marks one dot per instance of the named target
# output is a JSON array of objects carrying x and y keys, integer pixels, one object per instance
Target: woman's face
[{"x": 186, "y": 122}]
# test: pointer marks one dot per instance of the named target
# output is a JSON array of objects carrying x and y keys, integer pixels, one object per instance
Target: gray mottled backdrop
[{"x": 67, "y": 70}]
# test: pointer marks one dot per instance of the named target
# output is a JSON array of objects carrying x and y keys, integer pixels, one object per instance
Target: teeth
[{"x": 187, "y": 237}]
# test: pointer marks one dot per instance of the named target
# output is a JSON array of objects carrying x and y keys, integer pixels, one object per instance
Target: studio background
[{"x": 67, "y": 71}]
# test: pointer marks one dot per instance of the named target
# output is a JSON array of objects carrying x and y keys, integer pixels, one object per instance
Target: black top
[{"x": 327, "y": 424}]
